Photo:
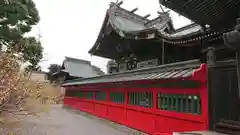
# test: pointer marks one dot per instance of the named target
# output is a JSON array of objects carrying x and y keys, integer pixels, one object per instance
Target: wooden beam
[
  {"x": 146, "y": 16},
  {"x": 134, "y": 10}
]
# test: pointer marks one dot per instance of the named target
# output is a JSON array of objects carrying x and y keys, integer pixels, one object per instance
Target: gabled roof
[
  {"x": 180, "y": 70},
  {"x": 125, "y": 32},
  {"x": 126, "y": 22},
  {"x": 80, "y": 68},
  {"x": 129, "y": 26}
]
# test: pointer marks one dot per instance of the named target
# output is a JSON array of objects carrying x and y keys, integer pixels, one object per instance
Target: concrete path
[{"x": 62, "y": 121}]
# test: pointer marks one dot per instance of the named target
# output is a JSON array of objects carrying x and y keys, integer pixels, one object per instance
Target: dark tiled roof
[
  {"x": 169, "y": 71},
  {"x": 129, "y": 25},
  {"x": 217, "y": 13}
]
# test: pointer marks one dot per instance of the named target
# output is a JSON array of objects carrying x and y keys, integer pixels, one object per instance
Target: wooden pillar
[
  {"x": 155, "y": 105},
  {"x": 238, "y": 70},
  {"x": 232, "y": 40},
  {"x": 107, "y": 94},
  {"x": 84, "y": 93},
  {"x": 94, "y": 94},
  {"x": 126, "y": 97},
  {"x": 238, "y": 57},
  {"x": 107, "y": 90},
  {"x": 211, "y": 60},
  {"x": 126, "y": 104},
  {"x": 155, "y": 99}
]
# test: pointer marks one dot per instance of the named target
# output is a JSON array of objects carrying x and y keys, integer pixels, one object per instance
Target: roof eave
[{"x": 93, "y": 49}]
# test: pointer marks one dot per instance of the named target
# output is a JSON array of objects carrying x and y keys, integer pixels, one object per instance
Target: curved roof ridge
[
  {"x": 117, "y": 16},
  {"x": 114, "y": 5}
]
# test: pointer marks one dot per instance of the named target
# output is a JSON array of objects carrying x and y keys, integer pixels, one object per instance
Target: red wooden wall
[{"x": 149, "y": 120}]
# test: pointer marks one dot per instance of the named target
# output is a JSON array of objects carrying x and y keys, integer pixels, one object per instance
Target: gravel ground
[{"x": 62, "y": 121}]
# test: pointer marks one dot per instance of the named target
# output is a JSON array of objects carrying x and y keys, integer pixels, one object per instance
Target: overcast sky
[{"x": 70, "y": 27}]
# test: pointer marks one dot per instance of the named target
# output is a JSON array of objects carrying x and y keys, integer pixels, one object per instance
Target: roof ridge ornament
[
  {"x": 146, "y": 16},
  {"x": 232, "y": 38},
  {"x": 119, "y": 3},
  {"x": 162, "y": 14},
  {"x": 160, "y": 1},
  {"x": 134, "y": 10}
]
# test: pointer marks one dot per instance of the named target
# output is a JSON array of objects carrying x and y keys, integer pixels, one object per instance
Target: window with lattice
[
  {"x": 89, "y": 95},
  {"x": 117, "y": 97},
  {"x": 101, "y": 95},
  {"x": 71, "y": 93},
  {"x": 143, "y": 99},
  {"x": 80, "y": 94},
  {"x": 180, "y": 103}
]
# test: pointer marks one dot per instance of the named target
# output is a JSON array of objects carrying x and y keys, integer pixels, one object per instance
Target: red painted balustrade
[
  {"x": 153, "y": 120},
  {"x": 149, "y": 120}
]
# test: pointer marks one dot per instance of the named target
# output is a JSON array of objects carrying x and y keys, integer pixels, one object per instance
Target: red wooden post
[
  {"x": 155, "y": 102},
  {"x": 84, "y": 94},
  {"x": 107, "y": 99},
  {"x": 126, "y": 97},
  {"x": 108, "y": 94},
  {"x": 126, "y": 104},
  {"x": 155, "y": 105},
  {"x": 204, "y": 100},
  {"x": 94, "y": 95}
]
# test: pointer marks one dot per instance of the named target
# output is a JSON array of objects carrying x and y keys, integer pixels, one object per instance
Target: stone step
[{"x": 198, "y": 133}]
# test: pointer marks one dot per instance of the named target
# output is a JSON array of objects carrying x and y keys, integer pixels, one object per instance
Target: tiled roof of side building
[
  {"x": 80, "y": 68},
  {"x": 168, "y": 71}
]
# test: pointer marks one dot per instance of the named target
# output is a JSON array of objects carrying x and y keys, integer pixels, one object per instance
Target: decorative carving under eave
[
  {"x": 112, "y": 67},
  {"x": 211, "y": 57},
  {"x": 232, "y": 38}
]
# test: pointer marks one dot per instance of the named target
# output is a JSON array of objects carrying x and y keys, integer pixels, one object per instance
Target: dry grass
[
  {"x": 38, "y": 99},
  {"x": 27, "y": 97},
  {"x": 41, "y": 96}
]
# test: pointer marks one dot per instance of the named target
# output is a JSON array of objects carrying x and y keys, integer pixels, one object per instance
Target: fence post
[
  {"x": 155, "y": 99},
  {"x": 125, "y": 104}
]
